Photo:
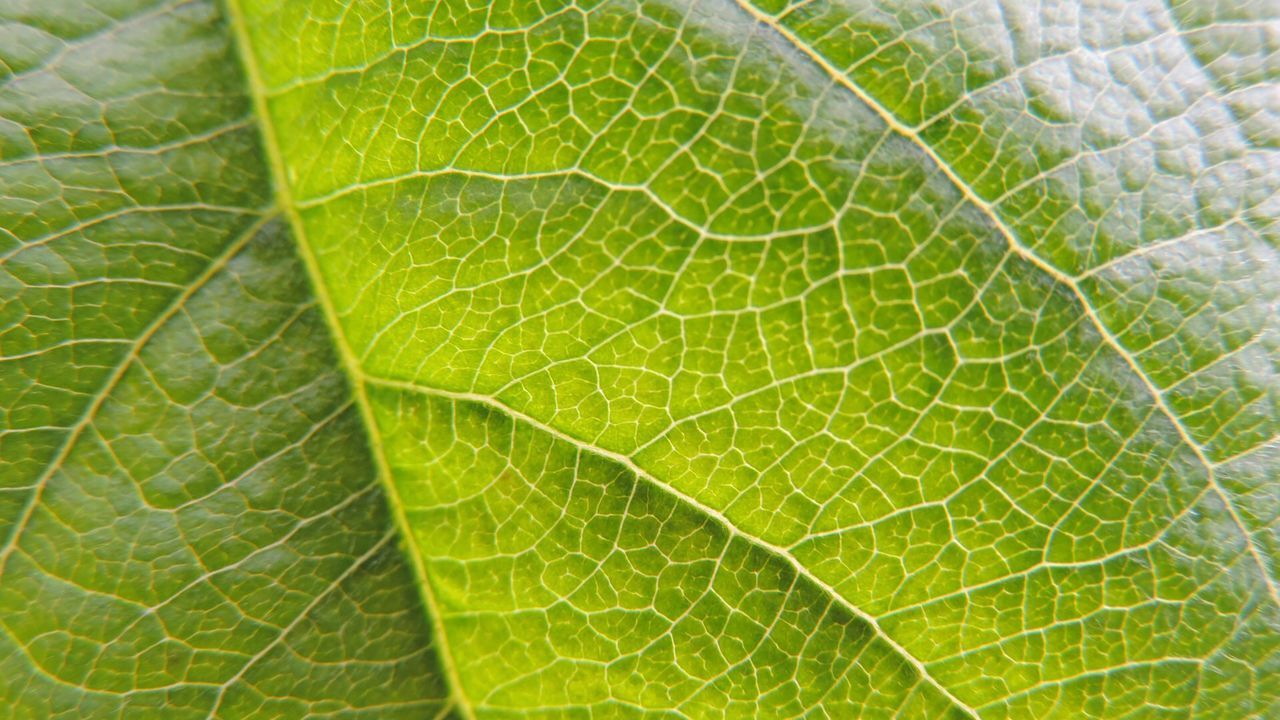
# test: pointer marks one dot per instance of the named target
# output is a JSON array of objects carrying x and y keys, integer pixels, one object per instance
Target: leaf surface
[
  {"x": 946, "y": 324},
  {"x": 723, "y": 358},
  {"x": 190, "y": 523}
]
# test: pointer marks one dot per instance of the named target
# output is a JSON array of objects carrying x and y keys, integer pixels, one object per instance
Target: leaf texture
[
  {"x": 955, "y": 324},
  {"x": 191, "y": 524},
  {"x": 719, "y": 359}
]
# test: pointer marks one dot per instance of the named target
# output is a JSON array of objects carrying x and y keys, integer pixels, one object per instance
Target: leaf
[
  {"x": 191, "y": 524},
  {"x": 731, "y": 359}
]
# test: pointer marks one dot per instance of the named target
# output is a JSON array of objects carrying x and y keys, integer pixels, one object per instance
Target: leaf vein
[
  {"x": 712, "y": 513},
  {"x": 117, "y": 374},
  {"x": 1026, "y": 253}
]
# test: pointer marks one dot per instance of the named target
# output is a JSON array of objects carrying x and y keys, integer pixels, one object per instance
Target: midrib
[
  {"x": 285, "y": 200},
  {"x": 358, "y": 379}
]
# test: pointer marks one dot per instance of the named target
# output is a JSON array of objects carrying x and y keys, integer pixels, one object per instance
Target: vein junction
[{"x": 888, "y": 379}]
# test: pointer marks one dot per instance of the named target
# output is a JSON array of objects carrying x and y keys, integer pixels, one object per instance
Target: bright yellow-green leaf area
[{"x": 704, "y": 359}]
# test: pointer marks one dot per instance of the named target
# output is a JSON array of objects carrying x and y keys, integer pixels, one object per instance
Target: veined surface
[
  {"x": 960, "y": 321},
  {"x": 730, "y": 359},
  {"x": 190, "y": 525}
]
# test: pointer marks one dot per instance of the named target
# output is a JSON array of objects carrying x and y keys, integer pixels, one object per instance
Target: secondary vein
[
  {"x": 1026, "y": 253},
  {"x": 719, "y": 517},
  {"x": 91, "y": 411}
]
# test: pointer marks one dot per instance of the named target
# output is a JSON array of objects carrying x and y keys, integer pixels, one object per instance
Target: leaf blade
[
  {"x": 193, "y": 526},
  {"x": 935, "y": 418}
]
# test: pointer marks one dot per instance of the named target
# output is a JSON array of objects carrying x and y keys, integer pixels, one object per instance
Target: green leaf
[
  {"x": 191, "y": 523},
  {"x": 717, "y": 359}
]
